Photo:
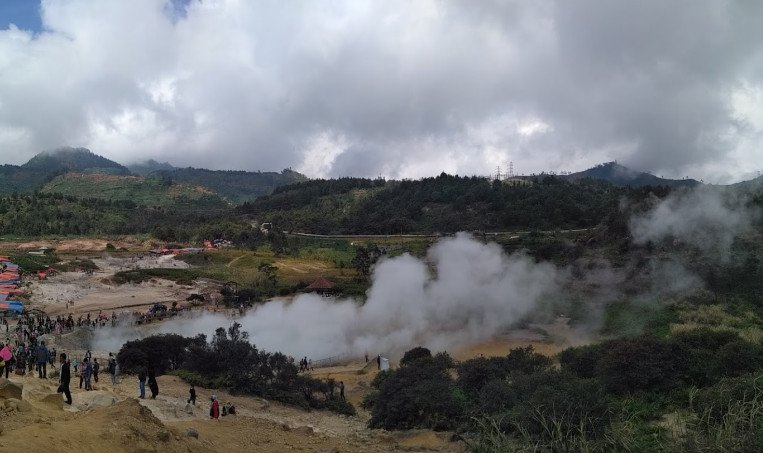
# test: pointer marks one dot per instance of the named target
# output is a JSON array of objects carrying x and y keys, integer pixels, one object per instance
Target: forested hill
[
  {"x": 442, "y": 204},
  {"x": 236, "y": 186},
  {"x": 623, "y": 176},
  {"x": 82, "y": 160},
  {"x": 44, "y": 167}
]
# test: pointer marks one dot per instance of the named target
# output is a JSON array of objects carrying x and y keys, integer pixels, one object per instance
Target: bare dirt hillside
[{"x": 111, "y": 418}]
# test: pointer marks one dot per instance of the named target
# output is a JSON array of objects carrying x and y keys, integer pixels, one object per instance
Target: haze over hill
[
  {"x": 623, "y": 176},
  {"x": 48, "y": 167}
]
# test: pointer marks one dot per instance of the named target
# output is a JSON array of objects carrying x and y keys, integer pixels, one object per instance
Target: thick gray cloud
[{"x": 402, "y": 89}]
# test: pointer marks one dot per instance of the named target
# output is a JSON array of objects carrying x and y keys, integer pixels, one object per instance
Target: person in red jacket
[{"x": 214, "y": 411}]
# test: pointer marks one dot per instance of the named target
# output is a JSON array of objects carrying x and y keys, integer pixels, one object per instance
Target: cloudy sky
[{"x": 385, "y": 87}]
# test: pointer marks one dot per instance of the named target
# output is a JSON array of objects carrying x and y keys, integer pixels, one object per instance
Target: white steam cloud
[
  {"x": 702, "y": 217},
  {"x": 465, "y": 291}
]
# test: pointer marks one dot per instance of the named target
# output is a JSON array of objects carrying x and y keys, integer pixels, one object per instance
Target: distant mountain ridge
[
  {"x": 147, "y": 192},
  {"x": 45, "y": 170},
  {"x": 237, "y": 186},
  {"x": 623, "y": 176},
  {"x": 147, "y": 167},
  {"x": 67, "y": 159}
]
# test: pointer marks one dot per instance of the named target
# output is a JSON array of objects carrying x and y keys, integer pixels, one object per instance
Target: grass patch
[{"x": 179, "y": 276}]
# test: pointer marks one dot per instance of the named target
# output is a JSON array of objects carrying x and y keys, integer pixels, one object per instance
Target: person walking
[
  {"x": 64, "y": 378},
  {"x": 152, "y": 385},
  {"x": 113, "y": 369},
  {"x": 341, "y": 390},
  {"x": 96, "y": 368},
  {"x": 142, "y": 382},
  {"x": 87, "y": 372},
  {"x": 42, "y": 360}
]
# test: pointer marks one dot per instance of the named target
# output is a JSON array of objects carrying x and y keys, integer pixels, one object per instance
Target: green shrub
[
  {"x": 642, "y": 363},
  {"x": 230, "y": 362},
  {"x": 415, "y": 354},
  {"x": 737, "y": 358},
  {"x": 729, "y": 417},
  {"x": 582, "y": 361},
  {"x": 418, "y": 395}
]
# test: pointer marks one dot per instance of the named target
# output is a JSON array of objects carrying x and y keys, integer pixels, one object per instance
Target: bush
[
  {"x": 474, "y": 374},
  {"x": 737, "y": 358},
  {"x": 161, "y": 352},
  {"x": 550, "y": 410},
  {"x": 582, "y": 361},
  {"x": 230, "y": 362},
  {"x": 729, "y": 417},
  {"x": 415, "y": 354},
  {"x": 642, "y": 363},
  {"x": 418, "y": 395}
]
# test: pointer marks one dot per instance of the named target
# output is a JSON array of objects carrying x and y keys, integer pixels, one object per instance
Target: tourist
[
  {"x": 113, "y": 369},
  {"x": 152, "y": 385},
  {"x": 87, "y": 371},
  {"x": 192, "y": 393},
  {"x": 142, "y": 382},
  {"x": 64, "y": 378},
  {"x": 214, "y": 411},
  {"x": 341, "y": 390},
  {"x": 96, "y": 367},
  {"x": 42, "y": 360}
]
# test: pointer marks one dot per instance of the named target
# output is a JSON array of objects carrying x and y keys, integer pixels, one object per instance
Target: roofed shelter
[{"x": 322, "y": 286}]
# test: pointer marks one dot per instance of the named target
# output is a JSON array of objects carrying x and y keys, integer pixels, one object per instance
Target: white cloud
[{"x": 407, "y": 89}]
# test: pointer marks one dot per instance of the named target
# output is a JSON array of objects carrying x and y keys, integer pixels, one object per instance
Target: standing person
[
  {"x": 214, "y": 411},
  {"x": 42, "y": 360},
  {"x": 192, "y": 393},
  {"x": 7, "y": 353},
  {"x": 142, "y": 382},
  {"x": 341, "y": 390},
  {"x": 63, "y": 386},
  {"x": 87, "y": 371},
  {"x": 378, "y": 362},
  {"x": 113, "y": 369},
  {"x": 96, "y": 367},
  {"x": 52, "y": 358},
  {"x": 152, "y": 385}
]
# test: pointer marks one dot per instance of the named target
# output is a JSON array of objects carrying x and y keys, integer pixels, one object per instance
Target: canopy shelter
[
  {"x": 12, "y": 306},
  {"x": 322, "y": 286}
]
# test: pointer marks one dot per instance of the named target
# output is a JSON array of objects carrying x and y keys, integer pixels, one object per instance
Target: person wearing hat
[{"x": 214, "y": 411}]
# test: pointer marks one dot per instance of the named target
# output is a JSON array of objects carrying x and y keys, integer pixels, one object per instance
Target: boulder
[
  {"x": 163, "y": 435},
  {"x": 10, "y": 389},
  {"x": 54, "y": 400},
  {"x": 20, "y": 405},
  {"x": 190, "y": 432},
  {"x": 304, "y": 430},
  {"x": 102, "y": 400}
]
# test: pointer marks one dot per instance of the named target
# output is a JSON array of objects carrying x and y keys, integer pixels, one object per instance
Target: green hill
[
  {"x": 147, "y": 167},
  {"x": 623, "y": 176},
  {"x": 142, "y": 191},
  {"x": 236, "y": 186},
  {"x": 443, "y": 204},
  {"x": 15, "y": 179},
  {"x": 73, "y": 159}
]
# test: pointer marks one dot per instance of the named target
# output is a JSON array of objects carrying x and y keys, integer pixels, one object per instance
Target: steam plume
[{"x": 464, "y": 292}]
